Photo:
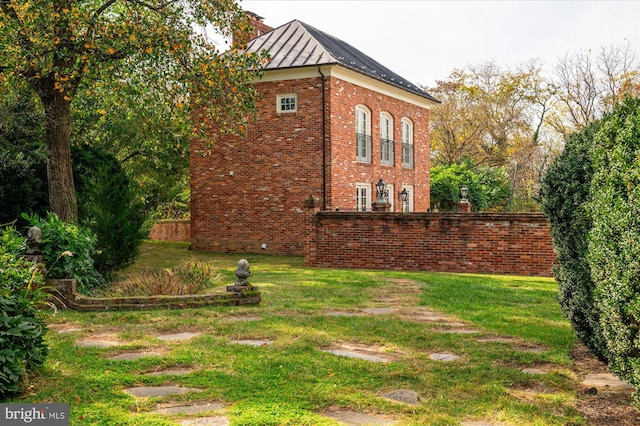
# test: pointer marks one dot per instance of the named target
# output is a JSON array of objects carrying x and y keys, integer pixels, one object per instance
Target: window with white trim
[
  {"x": 389, "y": 195},
  {"x": 407, "y": 143},
  {"x": 408, "y": 206},
  {"x": 363, "y": 134},
  {"x": 286, "y": 103},
  {"x": 387, "y": 151},
  {"x": 363, "y": 197}
]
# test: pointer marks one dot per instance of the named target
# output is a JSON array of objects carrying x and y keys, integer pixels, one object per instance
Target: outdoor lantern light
[
  {"x": 380, "y": 190},
  {"x": 464, "y": 191},
  {"x": 404, "y": 195}
]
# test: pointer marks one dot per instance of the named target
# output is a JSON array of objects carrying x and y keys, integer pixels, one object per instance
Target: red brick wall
[
  {"x": 249, "y": 191},
  {"x": 345, "y": 171},
  {"x": 171, "y": 230},
  {"x": 511, "y": 243}
]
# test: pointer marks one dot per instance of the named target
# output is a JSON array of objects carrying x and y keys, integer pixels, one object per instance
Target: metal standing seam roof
[{"x": 297, "y": 44}]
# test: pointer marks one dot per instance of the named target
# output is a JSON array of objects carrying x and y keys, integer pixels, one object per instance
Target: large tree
[{"x": 59, "y": 48}]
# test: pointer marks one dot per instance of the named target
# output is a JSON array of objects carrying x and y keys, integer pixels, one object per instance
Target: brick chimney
[{"x": 259, "y": 28}]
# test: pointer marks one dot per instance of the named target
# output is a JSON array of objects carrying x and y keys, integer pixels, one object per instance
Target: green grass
[{"x": 291, "y": 381}]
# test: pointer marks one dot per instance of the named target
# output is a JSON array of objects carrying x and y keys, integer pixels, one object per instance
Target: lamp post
[
  {"x": 464, "y": 191},
  {"x": 404, "y": 196},
  {"x": 464, "y": 206},
  {"x": 381, "y": 205}
]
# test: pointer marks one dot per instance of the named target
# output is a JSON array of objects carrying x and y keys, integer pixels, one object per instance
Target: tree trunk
[{"x": 62, "y": 192}]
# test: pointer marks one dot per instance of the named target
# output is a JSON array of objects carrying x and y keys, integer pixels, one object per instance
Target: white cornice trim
[{"x": 350, "y": 76}]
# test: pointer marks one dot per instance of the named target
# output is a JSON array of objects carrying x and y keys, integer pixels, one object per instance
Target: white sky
[{"x": 424, "y": 40}]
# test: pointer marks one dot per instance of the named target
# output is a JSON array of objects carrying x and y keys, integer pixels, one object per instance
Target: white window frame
[
  {"x": 282, "y": 98},
  {"x": 363, "y": 127},
  {"x": 409, "y": 205},
  {"x": 407, "y": 139},
  {"x": 387, "y": 150},
  {"x": 389, "y": 196},
  {"x": 363, "y": 197}
]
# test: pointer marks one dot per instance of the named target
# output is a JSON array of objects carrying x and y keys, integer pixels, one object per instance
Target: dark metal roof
[{"x": 297, "y": 44}]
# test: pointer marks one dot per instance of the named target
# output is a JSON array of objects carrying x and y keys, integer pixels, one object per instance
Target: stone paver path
[
  {"x": 343, "y": 314},
  {"x": 353, "y": 418},
  {"x": 378, "y": 311},
  {"x": 402, "y": 395},
  {"x": 178, "y": 336},
  {"x": 603, "y": 380},
  {"x": 151, "y": 391},
  {"x": 357, "y": 355},
  {"x": 444, "y": 357},
  {"x": 99, "y": 341},
  {"x": 250, "y": 342},
  {"x": 207, "y": 421}
]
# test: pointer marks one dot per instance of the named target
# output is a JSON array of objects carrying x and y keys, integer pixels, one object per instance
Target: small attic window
[{"x": 287, "y": 103}]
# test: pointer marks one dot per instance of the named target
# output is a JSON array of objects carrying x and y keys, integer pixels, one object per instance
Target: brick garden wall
[
  {"x": 513, "y": 243},
  {"x": 171, "y": 230}
]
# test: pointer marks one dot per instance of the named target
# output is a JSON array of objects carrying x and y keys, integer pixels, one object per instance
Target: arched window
[
  {"x": 407, "y": 143},
  {"x": 363, "y": 134},
  {"x": 387, "y": 149}
]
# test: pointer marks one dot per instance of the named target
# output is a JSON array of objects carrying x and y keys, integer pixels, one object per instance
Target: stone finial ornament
[
  {"x": 34, "y": 240},
  {"x": 242, "y": 272}
]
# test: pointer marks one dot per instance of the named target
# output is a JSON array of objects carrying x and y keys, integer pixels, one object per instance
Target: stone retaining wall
[{"x": 66, "y": 296}]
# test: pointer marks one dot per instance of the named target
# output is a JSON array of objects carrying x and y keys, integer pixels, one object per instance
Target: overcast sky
[{"x": 424, "y": 40}]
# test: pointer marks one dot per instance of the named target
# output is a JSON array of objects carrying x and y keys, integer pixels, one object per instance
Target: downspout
[{"x": 324, "y": 144}]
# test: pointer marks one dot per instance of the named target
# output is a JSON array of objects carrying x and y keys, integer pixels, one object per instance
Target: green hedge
[
  {"x": 614, "y": 240},
  {"x": 564, "y": 194}
]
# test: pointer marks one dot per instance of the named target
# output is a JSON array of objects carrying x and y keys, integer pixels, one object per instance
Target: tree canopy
[{"x": 61, "y": 48}]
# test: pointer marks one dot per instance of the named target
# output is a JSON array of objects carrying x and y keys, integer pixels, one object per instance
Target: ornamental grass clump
[{"x": 188, "y": 277}]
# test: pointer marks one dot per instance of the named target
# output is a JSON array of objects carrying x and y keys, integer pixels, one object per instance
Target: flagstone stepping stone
[
  {"x": 534, "y": 371},
  {"x": 444, "y": 357},
  {"x": 207, "y": 421},
  {"x": 178, "y": 336},
  {"x": 132, "y": 356},
  {"x": 605, "y": 380},
  {"x": 170, "y": 372},
  {"x": 242, "y": 319},
  {"x": 343, "y": 314},
  {"x": 97, "y": 343},
  {"x": 402, "y": 395},
  {"x": 358, "y": 355},
  {"x": 378, "y": 311},
  {"x": 250, "y": 342},
  {"x": 353, "y": 418},
  {"x": 458, "y": 331},
  {"x": 432, "y": 318},
  {"x": 477, "y": 423},
  {"x": 190, "y": 409},
  {"x": 151, "y": 391}
]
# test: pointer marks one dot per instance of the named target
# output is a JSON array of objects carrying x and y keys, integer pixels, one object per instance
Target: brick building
[{"x": 331, "y": 123}]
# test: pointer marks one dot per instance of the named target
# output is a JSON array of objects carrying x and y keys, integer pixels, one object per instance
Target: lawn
[{"x": 305, "y": 311}]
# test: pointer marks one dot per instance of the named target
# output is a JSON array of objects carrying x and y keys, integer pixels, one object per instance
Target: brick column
[
  {"x": 311, "y": 232},
  {"x": 464, "y": 206}
]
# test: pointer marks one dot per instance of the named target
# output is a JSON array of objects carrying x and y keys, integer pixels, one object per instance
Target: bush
[
  {"x": 614, "y": 240},
  {"x": 68, "y": 251},
  {"x": 107, "y": 204},
  {"x": 488, "y": 187},
  {"x": 22, "y": 331},
  {"x": 188, "y": 277},
  {"x": 564, "y": 194}
]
